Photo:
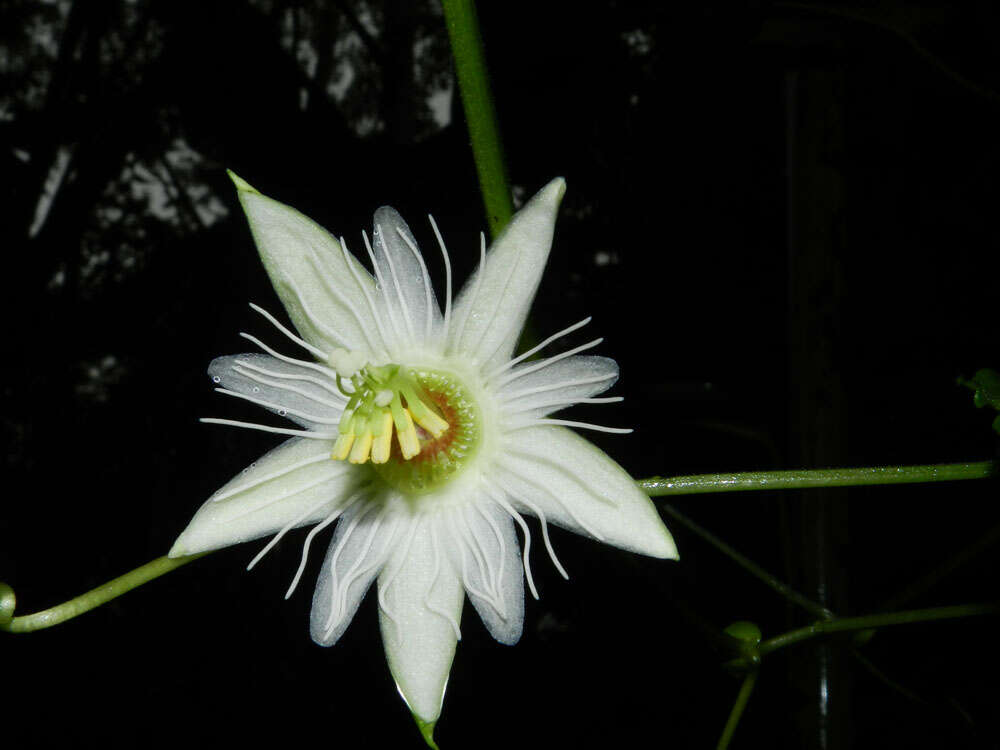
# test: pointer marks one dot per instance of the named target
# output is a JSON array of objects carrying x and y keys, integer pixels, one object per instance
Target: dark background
[{"x": 782, "y": 217}]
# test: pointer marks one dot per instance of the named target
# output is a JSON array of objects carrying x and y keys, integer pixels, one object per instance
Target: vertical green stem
[
  {"x": 480, "y": 114},
  {"x": 734, "y": 716}
]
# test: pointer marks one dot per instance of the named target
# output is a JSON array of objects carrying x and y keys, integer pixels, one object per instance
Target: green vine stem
[
  {"x": 863, "y": 622},
  {"x": 797, "y": 479},
  {"x": 480, "y": 114},
  {"x": 85, "y": 602},
  {"x": 737, "y": 712}
]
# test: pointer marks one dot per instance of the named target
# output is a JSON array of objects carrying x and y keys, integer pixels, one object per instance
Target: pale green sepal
[
  {"x": 242, "y": 185},
  {"x": 426, "y": 731}
]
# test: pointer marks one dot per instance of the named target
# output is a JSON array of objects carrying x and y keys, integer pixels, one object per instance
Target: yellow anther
[
  {"x": 409, "y": 445},
  {"x": 432, "y": 423},
  {"x": 342, "y": 447},
  {"x": 383, "y": 440},
  {"x": 362, "y": 448}
]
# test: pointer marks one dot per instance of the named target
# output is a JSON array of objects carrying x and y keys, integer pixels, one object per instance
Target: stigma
[{"x": 382, "y": 400}]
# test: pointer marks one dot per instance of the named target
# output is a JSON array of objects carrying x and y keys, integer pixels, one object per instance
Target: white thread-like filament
[
  {"x": 273, "y": 475},
  {"x": 248, "y": 370},
  {"x": 500, "y": 541},
  {"x": 312, "y": 534},
  {"x": 565, "y": 506},
  {"x": 584, "y": 426},
  {"x": 315, "y": 351},
  {"x": 525, "y": 562},
  {"x": 447, "y": 278},
  {"x": 315, "y": 322},
  {"x": 278, "y": 407},
  {"x": 335, "y": 594},
  {"x": 381, "y": 286},
  {"x": 483, "y": 560},
  {"x": 403, "y": 307},
  {"x": 330, "y": 373},
  {"x": 428, "y": 294},
  {"x": 284, "y": 530},
  {"x": 460, "y": 333},
  {"x": 368, "y": 297},
  {"x": 332, "y": 289},
  {"x": 273, "y": 500},
  {"x": 545, "y": 531},
  {"x": 508, "y": 397},
  {"x": 521, "y": 357},
  {"x": 383, "y": 589},
  {"x": 460, "y": 541},
  {"x": 516, "y": 374},
  {"x": 563, "y": 403},
  {"x": 434, "y": 577},
  {"x": 275, "y": 430}
]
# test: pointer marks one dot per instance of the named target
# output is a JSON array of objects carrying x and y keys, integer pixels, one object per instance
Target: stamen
[
  {"x": 447, "y": 278},
  {"x": 318, "y": 353},
  {"x": 515, "y": 374},
  {"x": 520, "y": 358},
  {"x": 428, "y": 295},
  {"x": 266, "y": 428},
  {"x": 404, "y": 309},
  {"x": 475, "y": 291},
  {"x": 585, "y": 426},
  {"x": 277, "y": 407}
]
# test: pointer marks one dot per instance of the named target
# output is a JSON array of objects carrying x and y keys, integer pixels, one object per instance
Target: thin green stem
[
  {"x": 480, "y": 114},
  {"x": 797, "y": 479},
  {"x": 85, "y": 602},
  {"x": 867, "y": 622},
  {"x": 737, "y": 712},
  {"x": 750, "y": 566}
]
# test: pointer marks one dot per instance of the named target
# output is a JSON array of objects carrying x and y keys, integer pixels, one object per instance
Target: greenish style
[
  {"x": 480, "y": 114},
  {"x": 985, "y": 385}
]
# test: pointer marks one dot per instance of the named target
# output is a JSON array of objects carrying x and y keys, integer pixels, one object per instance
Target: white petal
[
  {"x": 486, "y": 554},
  {"x": 577, "y": 486},
  {"x": 490, "y": 313},
  {"x": 557, "y": 385},
  {"x": 296, "y": 480},
  {"x": 360, "y": 547},
  {"x": 408, "y": 296},
  {"x": 286, "y": 389},
  {"x": 421, "y": 602},
  {"x": 322, "y": 289}
]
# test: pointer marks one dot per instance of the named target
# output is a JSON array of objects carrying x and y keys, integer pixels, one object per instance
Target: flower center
[{"x": 435, "y": 420}]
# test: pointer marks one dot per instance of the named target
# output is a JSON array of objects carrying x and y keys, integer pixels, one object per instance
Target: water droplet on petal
[{"x": 216, "y": 379}]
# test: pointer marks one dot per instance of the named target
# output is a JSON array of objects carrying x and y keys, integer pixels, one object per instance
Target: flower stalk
[{"x": 480, "y": 114}]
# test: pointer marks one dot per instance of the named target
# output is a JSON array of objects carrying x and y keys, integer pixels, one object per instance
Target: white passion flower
[{"x": 419, "y": 434}]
